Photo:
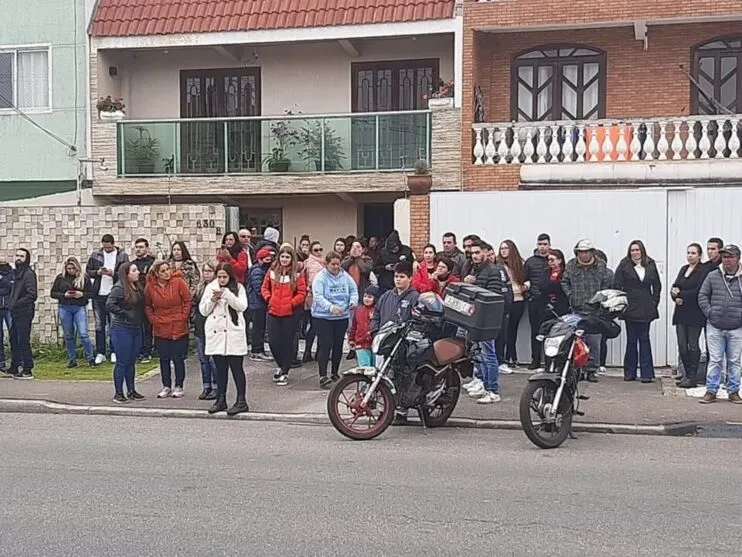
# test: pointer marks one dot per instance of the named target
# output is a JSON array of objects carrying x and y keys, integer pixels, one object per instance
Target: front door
[
  {"x": 390, "y": 87},
  {"x": 220, "y": 146}
]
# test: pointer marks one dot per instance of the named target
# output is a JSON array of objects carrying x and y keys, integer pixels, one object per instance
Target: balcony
[
  {"x": 279, "y": 145},
  {"x": 653, "y": 150}
]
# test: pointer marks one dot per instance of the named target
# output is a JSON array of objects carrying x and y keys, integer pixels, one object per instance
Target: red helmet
[{"x": 581, "y": 353}]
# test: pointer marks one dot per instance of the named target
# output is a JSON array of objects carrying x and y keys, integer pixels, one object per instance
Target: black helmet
[{"x": 429, "y": 308}]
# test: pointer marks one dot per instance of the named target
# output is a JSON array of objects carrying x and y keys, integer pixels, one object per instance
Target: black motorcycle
[{"x": 551, "y": 398}]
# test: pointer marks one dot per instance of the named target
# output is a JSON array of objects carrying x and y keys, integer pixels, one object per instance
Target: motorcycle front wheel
[
  {"x": 537, "y": 398},
  {"x": 349, "y": 416},
  {"x": 438, "y": 413}
]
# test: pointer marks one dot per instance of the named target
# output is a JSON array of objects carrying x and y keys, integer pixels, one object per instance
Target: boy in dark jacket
[
  {"x": 256, "y": 304},
  {"x": 396, "y": 305},
  {"x": 6, "y": 287}
]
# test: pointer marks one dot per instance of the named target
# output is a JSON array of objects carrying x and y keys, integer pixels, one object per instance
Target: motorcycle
[
  {"x": 423, "y": 362},
  {"x": 551, "y": 398}
]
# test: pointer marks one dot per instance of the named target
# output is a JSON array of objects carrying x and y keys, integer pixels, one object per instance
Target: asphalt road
[{"x": 99, "y": 486}]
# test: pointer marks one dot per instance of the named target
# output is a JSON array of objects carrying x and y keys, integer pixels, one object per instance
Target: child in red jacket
[{"x": 359, "y": 336}]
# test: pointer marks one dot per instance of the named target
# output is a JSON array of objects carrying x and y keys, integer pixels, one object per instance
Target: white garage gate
[{"x": 667, "y": 220}]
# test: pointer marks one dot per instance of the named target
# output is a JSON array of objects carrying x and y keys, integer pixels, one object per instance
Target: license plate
[{"x": 459, "y": 306}]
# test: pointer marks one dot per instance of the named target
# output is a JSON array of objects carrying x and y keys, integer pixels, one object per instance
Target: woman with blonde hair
[{"x": 73, "y": 291}]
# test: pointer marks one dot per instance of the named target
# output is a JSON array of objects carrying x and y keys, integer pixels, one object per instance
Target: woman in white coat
[{"x": 223, "y": 304}]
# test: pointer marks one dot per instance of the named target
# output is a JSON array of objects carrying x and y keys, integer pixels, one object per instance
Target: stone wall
[
  {"x": 445, "y": 148},
  {"x": 53, "y": 234}
]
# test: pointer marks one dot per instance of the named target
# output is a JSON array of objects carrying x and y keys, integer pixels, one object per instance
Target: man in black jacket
[
  {"x": 393, "y": 252},
  {"x": 6, "y": 287},
  {"x": 22, "y": 309},
  {"x": 144, "y": 261},
  {"x": 536, "y": 270}
]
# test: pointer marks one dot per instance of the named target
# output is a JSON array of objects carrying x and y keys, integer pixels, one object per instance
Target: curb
[{"x": 24, "y": 406}]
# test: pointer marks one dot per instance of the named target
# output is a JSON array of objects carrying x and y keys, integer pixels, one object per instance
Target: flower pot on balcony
[
  {"x": 279, "y": 165},
  {"x": 419, "y": 184},
  {"x": 114, "y": 116},
  {"x": 440, "y": 103}
]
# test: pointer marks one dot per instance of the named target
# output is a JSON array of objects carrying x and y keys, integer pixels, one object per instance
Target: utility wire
[{"x": 33, "y": 122}]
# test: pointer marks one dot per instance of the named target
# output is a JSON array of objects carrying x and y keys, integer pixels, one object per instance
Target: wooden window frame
[
  {"x": 697, "y": 51},
  {"x": 395, "y": 66},
  {"x": 220, "y": 73}
]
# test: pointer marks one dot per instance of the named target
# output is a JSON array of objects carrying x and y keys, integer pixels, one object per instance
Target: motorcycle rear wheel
[
  {"x": 543, "y": 434},
  {"x": 446, "y": 403},
  {"x": 360, "y": 423}
]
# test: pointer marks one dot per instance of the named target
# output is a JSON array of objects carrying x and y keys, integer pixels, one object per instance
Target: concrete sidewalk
[{"x": 612, "y": 401}]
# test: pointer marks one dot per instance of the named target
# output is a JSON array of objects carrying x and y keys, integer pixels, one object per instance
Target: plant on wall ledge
[
  {"x": 284, "y": 136},
  {"x": 421, "y": 181},
  {"x": 109, "y": 104},
  {"x": 443, "y": 90},
  {"x": 311, "y": 138}
]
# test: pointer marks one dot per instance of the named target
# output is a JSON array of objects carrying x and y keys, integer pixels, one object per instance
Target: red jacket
[
  {"x": 423, "y": 282},
  {"x": 239, "y": 265},
  {"x": 282, "y": 300},
  {"x": 168, "y": 307},
  {"x": 360, "y": 329}
]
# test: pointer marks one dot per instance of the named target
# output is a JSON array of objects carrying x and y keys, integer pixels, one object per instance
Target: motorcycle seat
[{"x": 447, "y": 350}]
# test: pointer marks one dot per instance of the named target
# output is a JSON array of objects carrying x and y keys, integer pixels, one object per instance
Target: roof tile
[{"x": 164, "y": 17}]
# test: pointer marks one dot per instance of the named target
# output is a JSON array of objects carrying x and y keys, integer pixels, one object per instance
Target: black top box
[{"x": 475, "y": 309}]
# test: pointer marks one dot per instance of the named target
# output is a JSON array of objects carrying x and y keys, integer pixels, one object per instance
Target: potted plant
[
  {"x": 311, "y": 138},
  {"x": 442, "y": 96},
  {"x": 421, "y": 181},
  {"x": 110, "y": 108},
  {"x": 142, "y": 152},
  {"x": 285, "y": 135}
]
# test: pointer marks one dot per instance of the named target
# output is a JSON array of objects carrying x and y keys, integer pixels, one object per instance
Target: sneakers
[
  {"x": 205, "y": 393},
  {"x": 133, "y": 395},
  {"x": 99, "y": 359},
  {"x": 283, "y": 380},
  {"x": 478, "y": 392},
  {"x": 260, "y": 358},
  {"x": 735, "y": 398},
  {"x": 113, "y": 358},
  {"x": 505, "y": 369},
  {"x": 535, "y": 366},
  {"x": 91, "y": 363},
  {"x": 72, "y": 364},
  {"x": 166, "y": 392},
  {"x": 145, "y": 359},
  {"x": 708, "y": 398},
  {"x": 324, "y": 382},
  {"x": 489, "y": 398},
  {"x": 602, "y": 370},
  {"x": 277, "y": 375},
  {"x": 23, "y": 375},
  {"x": 120, "y": 399},
  {"x": 686, "y": 383},
  {"x": 178, "y": 392},
  {"x": 473, "y": 384}
]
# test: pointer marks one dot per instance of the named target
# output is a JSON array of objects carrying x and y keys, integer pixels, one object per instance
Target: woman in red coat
[
  {"x": 231, "y": 252},
  {"x": 284, "y": 289},
  {"x": 423, "y": 279}
]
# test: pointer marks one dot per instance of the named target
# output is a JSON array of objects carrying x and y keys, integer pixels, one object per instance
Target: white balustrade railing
[{"x": 661, "y": 139}]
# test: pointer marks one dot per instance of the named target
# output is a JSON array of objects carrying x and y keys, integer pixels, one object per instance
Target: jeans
[
  {"x": 102, "y": 320},
  {"x": 511, "y": 331},
  {"x": 603, "y": 351},
  {"x": 638, "y": 334},
  {"x": 593, "y": 344},
  {"x": 536, "y": 317},
  {"x": 330, "y": 337},
  {"x": 147, "y": 345},
  {"x": 310, "y": 335},
  {"x": 489, "y": 366},
  {"x": 75, "y": 318},
  {"x": 234, "y": 363},
  {"x": 258, "y": 318},
  {"x": 365, "y": 357},
  {"x": 129, "y": 342},
  {"x": 690, "y": 350},
  {"x": 4, "y": 318},
  {"x": 721, "y": 342},
  {"x": 282, "y": 332},
  {"x": 20, "y": 341},
  {"x": 208, "y": 367},
  {"x": 172, "y": 351}
]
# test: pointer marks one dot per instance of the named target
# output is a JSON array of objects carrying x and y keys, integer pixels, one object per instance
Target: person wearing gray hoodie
[{"x": 720, "y": 300}]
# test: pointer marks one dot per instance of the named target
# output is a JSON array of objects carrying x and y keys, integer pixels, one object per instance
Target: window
[
  {"x": 558, "y": 83},
  {"x": 392, "y": 86},
  {"x": 716, "y": 67},
  {"x": 24, "y": 78}
]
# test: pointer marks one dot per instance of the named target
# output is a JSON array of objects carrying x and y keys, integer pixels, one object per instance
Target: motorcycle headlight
[{"x": 551, "y": 346}]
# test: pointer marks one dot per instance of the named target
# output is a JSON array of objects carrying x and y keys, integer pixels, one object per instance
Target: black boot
[
  {"x": 220, "y": 404},
  {"x": 691, "y": 369},
  {"x": 239, "y": 407}
]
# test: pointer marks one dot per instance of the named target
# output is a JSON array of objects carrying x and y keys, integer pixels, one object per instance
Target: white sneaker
[
  {"x": 473, "y": 384},
  {"x": 166, "y": 392},
  {"x": 277, "y": 375},
  {"x": 602, "y": 370},
  {"x": 479, "y": 391},
  {"x": 489, "y": 398},
  {"x": 505, "y": 369},
  {"x": 283, "y": 381},
  {"x": 178, "y": 392},
  {"x": 113, "y": 358},
  {"x": 99, "y": 359}
]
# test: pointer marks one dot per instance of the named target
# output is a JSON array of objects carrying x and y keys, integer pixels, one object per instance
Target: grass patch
[{"x": 50, "y": 370}]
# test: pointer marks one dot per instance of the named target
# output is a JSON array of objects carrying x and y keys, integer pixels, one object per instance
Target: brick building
[{"x": 590, "y": 95}]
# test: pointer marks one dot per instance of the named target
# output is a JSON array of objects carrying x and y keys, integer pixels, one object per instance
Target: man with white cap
[{"x": 584, "y": 276}]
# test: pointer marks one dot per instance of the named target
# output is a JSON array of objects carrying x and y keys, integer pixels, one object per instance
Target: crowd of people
[{"x": 265, "y": 292}]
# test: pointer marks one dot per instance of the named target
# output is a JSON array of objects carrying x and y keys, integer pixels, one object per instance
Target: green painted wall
[{"x": 26, "y": 152}]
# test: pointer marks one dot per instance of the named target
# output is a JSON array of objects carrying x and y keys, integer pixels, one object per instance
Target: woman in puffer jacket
[{"x": 284, "y": 289}]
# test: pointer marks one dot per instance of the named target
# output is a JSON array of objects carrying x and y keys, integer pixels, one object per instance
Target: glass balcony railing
[{"x": 337, "y": 143}]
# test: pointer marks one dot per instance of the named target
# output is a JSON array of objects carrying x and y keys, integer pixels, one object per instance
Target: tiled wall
[{"x": 54, "y": 233}]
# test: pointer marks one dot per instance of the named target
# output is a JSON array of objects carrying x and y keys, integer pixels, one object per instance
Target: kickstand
[{"x": 423, "y": 421}]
